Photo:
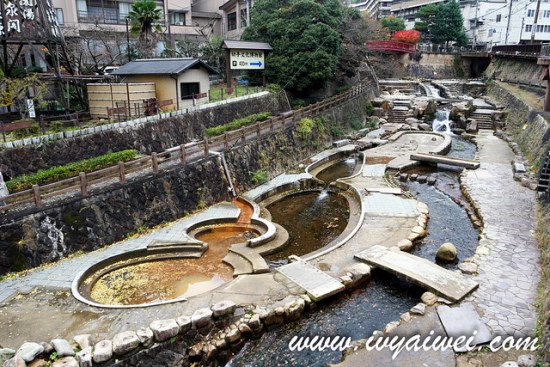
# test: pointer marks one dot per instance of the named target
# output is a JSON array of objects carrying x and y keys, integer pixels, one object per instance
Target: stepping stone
[
  {"x": 463, "y": 321},
  {"x": 420, "y": 271},
  {"x": 318, "y": 284}
]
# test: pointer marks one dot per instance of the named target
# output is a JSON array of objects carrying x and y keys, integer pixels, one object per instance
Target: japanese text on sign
[{"x": 246, "y": 59}]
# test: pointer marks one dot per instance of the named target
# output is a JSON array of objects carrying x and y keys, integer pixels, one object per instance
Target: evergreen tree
[
  {"x": 303, "y": 34},
  {"x": 393, "y": 24},
  {"x": 448, "y": 24},
  {"x": 426, "y": 14}
]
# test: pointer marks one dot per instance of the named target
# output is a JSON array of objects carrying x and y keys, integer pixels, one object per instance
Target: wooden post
[
  {"x": 83, "y": 184},
  {"x": 183, "y": 154},
  {"x": 121, "y": 173},
  {"x": 77, "y": 119},
  {"x": 42, "y": 124},
  {"x": 271, "y": 127},
  {"x": 155, "y": 162},
  {"x": 37, "y": 196},
  {"x": 3, "y": 132},
  {"x": 243, "y": 136},
  {"x": 225, "y": 142},
  {"x": 206, "y": 150},
  {"x": 258, "y": 130}
]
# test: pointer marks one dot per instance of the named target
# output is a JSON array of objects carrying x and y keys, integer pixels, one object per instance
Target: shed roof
[
  {"x": 246, "y": 45},
  {"x": 161, "y": 66}
]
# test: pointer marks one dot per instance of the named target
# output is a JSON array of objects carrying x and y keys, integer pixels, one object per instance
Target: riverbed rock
[
  {"x": 405, "y": 245},
  {"x": 185, "y": 323},
  {"x": 422, "y": 208},
  {"x": 422, "y": 179},
  {"x": 201, "y": 318},
  {"x": 145, "y": 336},
  {"x": 164, "y": 329},
  {"x": 84, "y": 357},
  {"x": 359, "y": 272},
  {"x": 83, "y": 341},
  {"x": 447, "y": 252},
  {"x": 419, "y": 309},
  {"x": 406, "y": 317},
  {"x": 66, "y": 362},
  {"x": 527, "y": 360},
  {"x": 245, "y": 329},
  {"x": 424, "y": 127},
  {"x": 28, "y": 351},
  {"x": 432, "y": 180},
  {"x": 429, "y": 298},
  {"x": 63, "y": 348},
  {"x": 294, "y": 309},
  {"x": 509, "y": 364},
  {"x": 15, "y": 362},
  {"x": 233, "y": 335},
  {"x": 5, "y": 354},
  {"x": 468, "y": 267},
  {"x": 223, "y": 308},
  {"x": 255, "y": 323},
  {"x": 125, "y": 342},
  {"x": 103, "y": 351},
  {"x": 391, "y": 327}
]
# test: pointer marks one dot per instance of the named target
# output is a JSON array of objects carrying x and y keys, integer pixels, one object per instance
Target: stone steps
[
  {"x": 239, "y": 263},
  {"x": 256, "y": 261}
]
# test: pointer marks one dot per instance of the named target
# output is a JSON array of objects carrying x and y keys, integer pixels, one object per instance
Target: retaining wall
[{"x": 31, "y": 238}]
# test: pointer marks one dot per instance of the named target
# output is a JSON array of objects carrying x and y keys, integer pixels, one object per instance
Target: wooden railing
[
  {"x": 390, "y": 46},
  {"x": 182, "y": 154}
]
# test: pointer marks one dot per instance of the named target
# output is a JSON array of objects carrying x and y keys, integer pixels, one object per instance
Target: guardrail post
[
  {"x": 243, "y": 136},
  {"x": 121, "y": 173},
  {"x": 37, "y": 196},
  {"x": 83, "y": 184},
  {"x": 206, "y": 148},
  {"x": 155, "y": 162},
  {"x": 258, "y": 130},
  {"x": 225, "y": 142},
  {"x": 271, "y": 127},
  {"x": 183, "y": 154}
]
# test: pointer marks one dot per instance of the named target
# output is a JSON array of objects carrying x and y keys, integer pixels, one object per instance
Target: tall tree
[
  {"x": 393, "y": 24},
  {"x": 145, "y": 19},
  {"x": 303, "y": 34},
  {"x": 426, "y": 14},
  {"x": 448, "y": 25}
]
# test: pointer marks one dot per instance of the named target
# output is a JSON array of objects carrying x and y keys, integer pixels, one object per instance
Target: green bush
[
  {"x": 369, "y": 108},
  {"x": 274, "y": 87},
  {"x": 237, "y": 124},
  {"x": 356, "y": 125},
  {"x": 304, "y": 127},
  {"x": 259, "y": 177},
  {"x": 336, "y": 131},
  {"x": 69, "y": 170},
  {"x": 57, "y": 126},
  {"x": 24, "y": 133}
]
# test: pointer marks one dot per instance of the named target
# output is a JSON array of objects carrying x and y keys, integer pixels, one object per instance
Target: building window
[
  {"x": 59, "y": 16},
  {"x": 530, "y": 13},
  {"x": 231, "y": 21},
  {"x": 546, "y": 14},
  {"x": 546, "y": 28},
  {"x": 188, "y": 90},
  {"x": 528, "y": 28},
  {"x": 498, "y": 18},
  {"x": 540, "y": 28},
  {"x": 177, "y": 18}
]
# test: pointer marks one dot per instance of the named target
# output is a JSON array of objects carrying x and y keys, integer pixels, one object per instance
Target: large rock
[
  {"x": 447, "y": 252},
  {"x": 62, "y": 348},
  {"x": 184, "y": 322},
  {"x": 29, "y": 351},
  {"x": 527, "y": 360},
  {"x": 66, "y": 362},
  {"x": 84, "y": 357},
  {"x": 294, "y": 309},
  {"x": 429, "y": 298},
  {"x": 164, "y": 329},
  {"x": 405, "y": 245},
  {"x": 84, "y": 341},
  {"x": 146, "y": 336},
  {"x": 15, "y": 362},
  {"x": 125, "y": 342},
  {"x": 201, "y": 317},
  {"x": 223, "y": 308},
  {"x": 103, "y": 351}
]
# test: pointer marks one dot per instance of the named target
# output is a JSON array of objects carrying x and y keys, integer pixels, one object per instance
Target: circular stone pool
[
  {"x": 141, "y": 279},
  {"x": 312, "y": 218}
]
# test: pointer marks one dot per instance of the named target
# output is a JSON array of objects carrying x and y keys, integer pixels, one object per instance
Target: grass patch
[
  {"x": 259, "y": 177},
  {"x": 237, "y": 124},
  {"x": 57, "y": 173},
  {"x": 219, "y": 93}
]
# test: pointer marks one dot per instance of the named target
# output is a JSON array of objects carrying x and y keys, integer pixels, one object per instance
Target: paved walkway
[{"x": 508, "y": 257}]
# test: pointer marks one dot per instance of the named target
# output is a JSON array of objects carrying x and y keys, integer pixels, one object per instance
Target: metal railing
[
  {"x": 183, "y": 154},
  {"x": 517, "y": 50}
]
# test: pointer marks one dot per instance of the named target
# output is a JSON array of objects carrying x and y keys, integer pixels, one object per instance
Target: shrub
[
  {"x": 336, "y": 131},
  {"x": 69, "y": 170},
  {"x": 259, "y": 177},
  {"x": 274, "y": 87},
  {"x": 23, "y": 133},
  {"x": 356, "y": 125},
  {"x": 408, "y": 36},
  {"x": 369, "y": 108},
  {"x": 304, "y": 127},
  {"x": 57, "y": 126},
  {"x": 237, "y": 124}
]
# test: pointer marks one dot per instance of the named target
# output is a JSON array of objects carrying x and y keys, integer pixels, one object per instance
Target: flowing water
[
  {"x": 160, "y": 280},
  {"x": 449, "y": 221},
  {"x": 344, "y": 168},
  {"x": 441, "y": 122},
  {"x": 312, "y": 218}
]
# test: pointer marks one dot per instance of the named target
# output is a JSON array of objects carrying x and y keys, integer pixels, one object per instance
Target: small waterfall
[
  {"x": 55, "y": 238},
  {"x": 227, "y": 173},
  {"x": 441, "y": 123},
  {"x": 434, "y": 91},
  {"x": 322, "y": 195}
]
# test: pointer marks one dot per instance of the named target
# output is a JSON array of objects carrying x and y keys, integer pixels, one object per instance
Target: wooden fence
[{"x": 182, "y": 154}]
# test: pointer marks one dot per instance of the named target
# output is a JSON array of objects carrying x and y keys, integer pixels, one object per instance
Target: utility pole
[
  {"x": 474, "y": 41},
  {"x": 508, "y": 23},
  {"x": 535, "y": 23}
]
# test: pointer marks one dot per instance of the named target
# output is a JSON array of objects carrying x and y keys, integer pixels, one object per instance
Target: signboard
[
  {"x": 30, "y": 107},
  {"x": 28, "y": 20},
  {"x": 247, "y": 59}
]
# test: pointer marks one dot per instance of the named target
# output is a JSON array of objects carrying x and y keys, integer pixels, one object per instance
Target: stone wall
[
  {"x": 28, "y": 239},
  {"x": 528, "y": 128},
  {"x": 434, "y": 66},
  {"x": 516, "y": 70},
  {"x": 146, "y": 138}
]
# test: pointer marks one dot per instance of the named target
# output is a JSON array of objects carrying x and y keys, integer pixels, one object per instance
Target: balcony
[{"x": 104, "y": 16}]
